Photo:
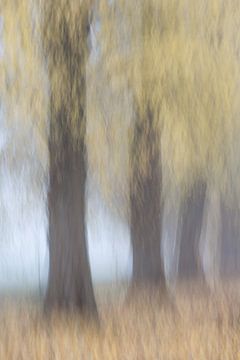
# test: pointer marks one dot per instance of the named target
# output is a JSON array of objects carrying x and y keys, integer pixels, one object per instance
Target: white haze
[
  {"x": 24, "y": 224},
  {"x": 23, "y": 241}
]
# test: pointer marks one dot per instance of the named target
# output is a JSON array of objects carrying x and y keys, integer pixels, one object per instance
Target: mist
[{"x": 24, "y": 248}]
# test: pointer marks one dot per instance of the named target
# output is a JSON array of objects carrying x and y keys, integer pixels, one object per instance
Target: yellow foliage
[
  {"x": 180, "y": 59},
  {"x": 65, "y": 34},
  {"x": 23, "y": 82}
]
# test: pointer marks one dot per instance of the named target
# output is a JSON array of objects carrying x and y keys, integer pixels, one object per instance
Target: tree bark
[
  {"x": 69, "y": 283},
  {"x": 145, "y": 209},
  {"x": 190, "y": 226}
]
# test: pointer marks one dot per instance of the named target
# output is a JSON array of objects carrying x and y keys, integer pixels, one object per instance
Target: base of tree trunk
[
  {"x": 190, "y": 226},
  {"x": 154, "y": 295},
  {"x": 230, "y": 243},
  {"x": 146, "y": 237},
  {"x": 69, "y": 283},
  {"x": 194, "y": 287},
  {"x": 147, "y": 266},
  {"x": 146, "y": 208}
]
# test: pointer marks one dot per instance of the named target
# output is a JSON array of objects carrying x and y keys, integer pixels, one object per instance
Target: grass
[{"x": 198, "y": 325}]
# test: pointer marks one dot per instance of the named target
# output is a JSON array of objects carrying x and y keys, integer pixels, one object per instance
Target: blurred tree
[
  {"x": 169, "y": 59},
  {"x": 65, "y": 35},
  {"x": 229, "y": 241},
  {"x": 124, "y": 36},
  {"x": 190, "y": 226},
  {"x": 146, "y": 171},
  {"x": 145, "y": 205},
  {"x": 210, "y": 24},
  {"x": 170, "y": 56}
]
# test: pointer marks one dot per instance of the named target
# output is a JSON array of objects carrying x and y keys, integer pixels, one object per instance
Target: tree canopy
[{"x": 180, "y": 59}]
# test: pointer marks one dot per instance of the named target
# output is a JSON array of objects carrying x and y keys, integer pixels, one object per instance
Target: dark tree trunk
[
  {"x": 189, "y": 230},
  {"x": 145, "y": 209},
  {"x": 230, "y": 242},
  {"x": 69, "y": 283}
]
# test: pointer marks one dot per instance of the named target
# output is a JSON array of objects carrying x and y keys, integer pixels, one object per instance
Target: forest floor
[{"x": 194, "y": 325}]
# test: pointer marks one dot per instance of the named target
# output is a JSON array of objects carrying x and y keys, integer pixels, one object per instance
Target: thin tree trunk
[
  {"x": 190, "y": 226},
  {"x": 69, "y": 283},
  {"x": 230, "y": 242},
  {"x": 146, "y": 211}
]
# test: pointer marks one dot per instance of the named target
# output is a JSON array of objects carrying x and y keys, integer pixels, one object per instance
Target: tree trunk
[
  {"x": 190, "y": 226},
  {"x": 69, "y": 283},
  {"x": 230, "y": 242},
  {"x": 145, "y": 208}
]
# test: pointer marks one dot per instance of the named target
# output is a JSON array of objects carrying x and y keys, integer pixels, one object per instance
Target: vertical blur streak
[
  {"x": 65, "y": 34},
  {"x": 158, "y": 114}
]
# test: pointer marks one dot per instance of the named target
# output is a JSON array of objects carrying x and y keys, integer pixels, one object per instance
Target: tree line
[{"x": 164, "y": 106}]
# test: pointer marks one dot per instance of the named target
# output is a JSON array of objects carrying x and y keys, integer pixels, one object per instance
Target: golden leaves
[
  {"x": 180, "y": 58},
  {"x": 65, "y": 33},
  {"x": 23, "y": 89}
]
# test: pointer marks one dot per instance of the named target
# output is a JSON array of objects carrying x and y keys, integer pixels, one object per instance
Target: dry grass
[{"x": 197, "y": 326}]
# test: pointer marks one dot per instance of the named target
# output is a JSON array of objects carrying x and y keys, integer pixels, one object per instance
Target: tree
[
  {"x": 229, "y": 241},
  {"x": 172, "y": 64},
  {"x": 190, "y": 226},
  {"x": 210, "y": 115},
  {"x": 119, "y": 47},
  {"x": 145, "y": 207},
  {"x": 66, "y": 27}
]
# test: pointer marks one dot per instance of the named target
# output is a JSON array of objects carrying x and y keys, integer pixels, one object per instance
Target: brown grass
[{"x": 198, "y": 325}]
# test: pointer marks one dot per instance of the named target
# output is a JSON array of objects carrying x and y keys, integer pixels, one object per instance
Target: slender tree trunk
[
  {"x": 190, "y": 226},
  {"x": 146, "y": 211},
  {"x": 69, "y": 283},
  {"x": 230, "y": 242}
]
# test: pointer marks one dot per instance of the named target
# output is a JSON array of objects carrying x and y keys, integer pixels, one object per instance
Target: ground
[{"x": 196, "y": 324}]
